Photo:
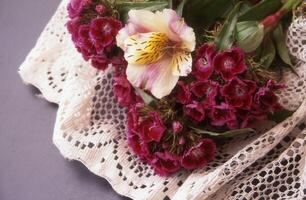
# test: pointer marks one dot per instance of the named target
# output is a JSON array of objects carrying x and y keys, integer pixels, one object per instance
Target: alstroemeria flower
[{"x": 157, "y": 48}]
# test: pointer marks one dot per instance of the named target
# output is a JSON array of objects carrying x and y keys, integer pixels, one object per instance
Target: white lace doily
[{"x": 90, "y": 127}]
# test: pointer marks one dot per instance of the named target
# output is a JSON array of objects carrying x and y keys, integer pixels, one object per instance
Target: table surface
[{"x": 31, "y": 168}]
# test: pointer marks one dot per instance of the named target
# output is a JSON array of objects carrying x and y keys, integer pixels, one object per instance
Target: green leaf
[
  {"x": 250, "y": 35},
  {"x": 261, "y": 10},
  {"x": 203, "y": 13},
  {"x": 124, "y": 7},
  {"x": 280, "y": 41},
  {"x": 180, "y": 8},
  {"x": 268, "y": 52},
  {"x": 147, "y": 99},
  {"x": 226, "y": 134},
  {"x": 280, "y": 115},
  {"x": 225, "y": 38}
]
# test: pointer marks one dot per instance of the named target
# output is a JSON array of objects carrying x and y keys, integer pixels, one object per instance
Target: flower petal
[
  {"x": 145, "y": 48},
  {"x": 156, "y": 77},
  {"x": 166, "y": 21},
  {"x": 181, "y": 64}
]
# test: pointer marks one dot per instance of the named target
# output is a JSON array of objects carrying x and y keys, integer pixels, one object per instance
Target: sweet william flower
[
  {"x": 75, "y": 7},
  {"x": 230, "y": 63},
  {"x": 203, "y": 64},
  {"x": 221, "y": 115},
  {"x": 206, "y": 91},
  {"x": 134, "y": 139},
  {"x": 199, "y": 155},
  {"x": 182, "y": 93},
  {"x": 124, "y": 92},
  {"x": 239, "y": 93},
  {"x": 102, "y": 32},
  {"x": 165, "y": 163},
  {"x": 152, "y": 128},
  {"x": 158, "y": 50},
  {"x": 195, "y": 111}
]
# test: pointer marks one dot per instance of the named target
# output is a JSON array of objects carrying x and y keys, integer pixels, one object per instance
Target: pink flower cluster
[
  {"x": 218, "y": 95},
  {"x": 221, "y": 94},
  {"x": 147, "y": 135},
  {"x": 93, "y": 32}
]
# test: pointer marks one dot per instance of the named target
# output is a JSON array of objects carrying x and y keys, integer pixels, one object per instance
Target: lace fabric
[{"x": 90, "y": 128}]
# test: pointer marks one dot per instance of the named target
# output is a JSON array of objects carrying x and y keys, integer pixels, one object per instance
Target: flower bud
[{"x": 250, "y": 35}]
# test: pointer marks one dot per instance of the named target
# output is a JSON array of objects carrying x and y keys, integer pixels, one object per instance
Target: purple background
[{"x": 31, "y": 168}]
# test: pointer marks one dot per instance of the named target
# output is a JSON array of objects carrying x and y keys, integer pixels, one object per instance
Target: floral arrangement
[{"x": 190, "y": 73}]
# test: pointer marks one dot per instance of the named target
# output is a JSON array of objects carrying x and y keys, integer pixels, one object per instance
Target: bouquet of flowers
[{"x": 191, "y": 74}]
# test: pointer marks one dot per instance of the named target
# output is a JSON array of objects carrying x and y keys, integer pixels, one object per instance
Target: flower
[
  {"x": 135, "y": 141},
  {"x": 221, "y": 115},
  {"x": 84, "y": 43},
  {"x": 230, "y": 63},
  {"x": 103, "y": 31},
  {"x": 203, "y": 64},
  {"x": 165, "y": 163},
  {"x": 157, "y": 48},
  {"x": 177, "y": 127},
  {"x": 206, "y": 91},
  {"x": 266, "y": 98},
  {"x": 182, "y": 93},
  {"x": 195, "y": 111},
  {"x": 75, "y": 7},
  {"x": 124, "y": 92},
  {"x": 239, "y": 93},
  {"x": 152, "y": 128},
  {"x": 199, "y": 155}
]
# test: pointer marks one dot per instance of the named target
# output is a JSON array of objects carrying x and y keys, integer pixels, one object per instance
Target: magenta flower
[
  {"x": 195, "y": 111},
  {"x": 103, "y": 31},
  {"x": 222, "y": 115},
  {"x": 230, "y": 63},
  {"x": 138, "y": 145},
  {"x": 165, "y": 164},
  {"x": 206, "y": 91},
  {"x": 152, "y": 128},
  {"x": 84, "y": 43},
  {"x": 75, "y": 7},
  {"x": 124, "y": 91},
  {"x": 239, "y": 93},
  {"x": 199, "y": 155},
  {"x": 182, "y": 93},
  {"x": 266, "y": 98},
  {"x": 203, "y": 64}
]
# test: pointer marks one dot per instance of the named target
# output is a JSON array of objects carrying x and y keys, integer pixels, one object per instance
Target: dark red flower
[
  {"x": 165, "y": 163},
  {"x": 195, "y": 111},
  {"x": 103, "y": 31},
  {"x": 265, "y": 99},
  {"x": 230, "y": 63},
  {"x": 124, "y": 91},
  {"x": 84, "y": 43},
  {"x": 73, "y": 28},
  {"x": 182, "y": 93},
  {"x": 206, "y": 91},
  {"x": 152, "y": 128},
  {"x": 138, "y": 145},
  {"x": 203, "y": 64},
  {"x": 222, "y": 115},
  {"x": 75, "y": 7},
  {"x": 199, "y": 155},
  {"x": 239, "y": 93}
]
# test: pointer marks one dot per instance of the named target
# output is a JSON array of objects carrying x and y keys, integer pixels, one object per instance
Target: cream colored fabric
[{"x": 90, "y": 128}]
